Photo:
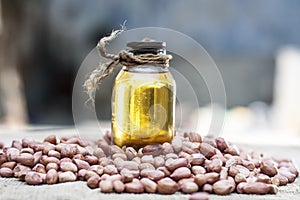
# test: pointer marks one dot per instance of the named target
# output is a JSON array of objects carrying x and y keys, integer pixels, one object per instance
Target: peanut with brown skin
[
  {"x": 159, "y": 161},
  {"x": 27, "y": 150},
  {"x": 51, "y": 166},
  {"x": 167, "y": 186},
  {"x": 207, "y": 188},
  {"x": 193, "y": 137},
  {"x": 9, "y": 165},
  {"x": 12, "y": 154},
  {"x": 282, "y": 179},
  {"x": 198, "y": 170},
  {"x": 223, "y": 187},
  {"x": 240, "y": 178},
  {"x": 20, "y": 171},
  {"x": 118, "y": 186},
  {"x": 199, "y": 196},
  {"x": 212, "y": 177},
  {"x": 221, "y": 143},
  {"x": 154, "y": 175},
  {"x": 256, "y": 188},
  {"x": 149, "y": 185},
  {"x": 189, "y": 187},
  {"x": 67, "y": 176},
  {"x": 39, "y": 168},
  {"x": 263, "y": 178},
  {"x": 33, "y": 178},
  {"x": 167, "y": 148},
  {"x": 81, "y": 164},
  {"x": 143, "y": 166},
  {"x": 215, "y": 165},
  {"x": 197, "y": 159},
  {"x": 130, "y": 153},
  {"x": 154, "y": 150},
  {"x": 51, "y": 139},
  {"x": 134, "y": 187},
  {"x": 16, "y": 144},
  {"x": 110, "y": 169},
  {"x": 200, "y": 179},
  {"x": 6, "y": 172},
  {"x": 93, "y": 182},
  {"x": 207, "y": 150},
  {"x": 268, "y": 168},
  {"x": 68, "y": 166},
  {"x": 176, "y": 163},
  {"x": 51, "y": 176},
  {"x": 181, "y": 172},
  {"x": 106, "y": 186},
  {"x": 26, "y": 159}
]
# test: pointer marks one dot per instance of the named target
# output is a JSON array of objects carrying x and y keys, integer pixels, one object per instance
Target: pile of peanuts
[{"x": 190, "y": 163}]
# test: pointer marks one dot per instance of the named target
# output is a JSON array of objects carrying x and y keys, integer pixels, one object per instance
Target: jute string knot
[{"x": 124, "y": 57}]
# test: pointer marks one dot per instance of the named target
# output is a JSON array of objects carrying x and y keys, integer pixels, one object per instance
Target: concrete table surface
[{"x": 11, "y": 189}]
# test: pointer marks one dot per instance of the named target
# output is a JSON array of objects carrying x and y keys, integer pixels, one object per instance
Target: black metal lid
[{"x": 146, "y": 47}]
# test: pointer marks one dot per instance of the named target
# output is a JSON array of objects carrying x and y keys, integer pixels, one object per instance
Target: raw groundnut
[
  {"x": 268, "y": 168},
  {"x": 240, "y": 178},
  {"x": 6, "y": 172},
  {"x": 189, "y": 187},
  {"x": 143, "y": 166},
  {"x": 200, "y": 179},
  {"x": 153, "y": 150},
  {"x": 67, "y": 177},
  {"x": 282, "y": 179},
  {"x": 198, "y": 170},
  {"x": 33, "y": 178},
  {"x": 93, "y": 182},
  {"x": 68, "y": 166},
  {"x": 134, "y": 187},
  {"x": 199, "y": 196},
  {"x": 176, "y": 163},
  {"x": 154, "y": 175},
  {"x": 207, "y": 150},
  {"x": 177, "y": 144},
  {"x": 51, "y": 176},
  {"x": 211, "y": 165},
  {"x": 223, "y": 187},
  {"x": 263, "y": 178},
  {"x": 118, "y": 186},
  {"x": 81, "y": 164},
  {"x": 159, "y": 161},
  {"x": 9, "y": 165},
  {"x": 130, "y": 153},
  {"x": 256, "y": 188},
  {"x": 221, "y": 143},
  {"x": 167, "y": 186},
  {"x": 179, "y": 173},
  {"x": 26, "y": 159},
  {"x": 212, "y": 177},
  {"x": 149, "y": 185},
  {"x": 193, "y": 137},
  {"x": 207, "y": 188},
  {"x": 106, "y": 186},
  {"x": 215, "y": 165}
]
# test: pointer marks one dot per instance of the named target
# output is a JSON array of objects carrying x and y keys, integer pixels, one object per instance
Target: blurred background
[{"x": 255, "y": 45}]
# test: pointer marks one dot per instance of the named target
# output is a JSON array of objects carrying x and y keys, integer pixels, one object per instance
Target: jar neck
[{"x": 147, "y": 68}]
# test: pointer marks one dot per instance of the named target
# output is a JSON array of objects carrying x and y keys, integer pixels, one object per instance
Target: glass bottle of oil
[{"x": 143, "y": 101}]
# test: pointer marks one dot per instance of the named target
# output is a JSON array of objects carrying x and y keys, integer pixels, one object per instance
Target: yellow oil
[{"x": 143, "y": 108}]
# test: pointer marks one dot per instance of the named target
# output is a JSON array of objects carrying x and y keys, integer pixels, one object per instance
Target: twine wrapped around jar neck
[{"x": 124, "y": 57}]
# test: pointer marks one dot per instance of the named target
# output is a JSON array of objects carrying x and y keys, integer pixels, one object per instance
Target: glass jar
[{"x": 143, "y": 101}]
